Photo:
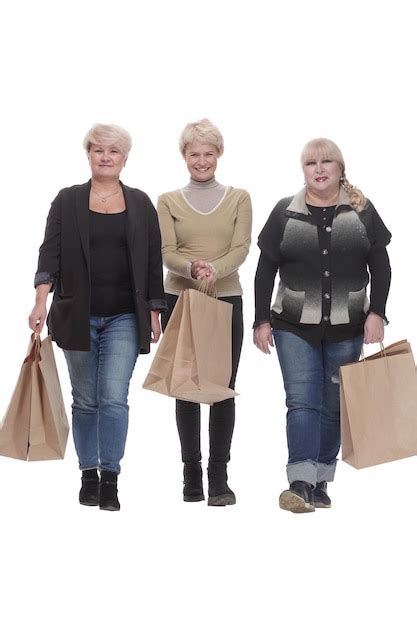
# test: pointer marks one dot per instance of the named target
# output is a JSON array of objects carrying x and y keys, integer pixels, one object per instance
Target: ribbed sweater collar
[{"x": 207, "y": 184}]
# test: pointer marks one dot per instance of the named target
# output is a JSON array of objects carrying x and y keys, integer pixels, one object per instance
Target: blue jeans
[
  {"x": 311, "y": 381},
  {"x": 100, "y": 384}
]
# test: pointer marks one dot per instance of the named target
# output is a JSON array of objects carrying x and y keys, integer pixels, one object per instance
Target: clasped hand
[{"x": 202, "y": 270}]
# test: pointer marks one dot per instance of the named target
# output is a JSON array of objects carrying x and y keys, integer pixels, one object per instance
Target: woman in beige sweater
[{"x": 205, "y": 230}]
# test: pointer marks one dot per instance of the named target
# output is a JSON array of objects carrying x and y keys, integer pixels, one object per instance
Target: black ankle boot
[
  {"x": 220, "y": 493},
  {"x": 193, "y": 482},
  {"x": 108, "y": 500},
  {"x": 89, "y": 488}
]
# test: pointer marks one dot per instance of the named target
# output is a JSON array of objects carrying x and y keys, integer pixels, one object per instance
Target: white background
[{"x": 271, "y": 75}]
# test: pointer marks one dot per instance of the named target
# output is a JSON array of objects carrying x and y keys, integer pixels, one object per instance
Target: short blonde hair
[
  {"x": 108, "y": 134},
  {"x": 203, "y": 131},
  {"x": 325, "y": 148}
]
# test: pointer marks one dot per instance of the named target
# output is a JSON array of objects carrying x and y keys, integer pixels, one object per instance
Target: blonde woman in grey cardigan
[{"x": 323, "y": 241}]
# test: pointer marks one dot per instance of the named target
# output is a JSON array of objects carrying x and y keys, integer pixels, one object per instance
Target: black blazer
[{"x": 64, "y": 260}]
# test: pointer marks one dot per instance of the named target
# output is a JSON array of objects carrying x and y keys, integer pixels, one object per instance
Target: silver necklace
[{"x": 104, "y": 198}]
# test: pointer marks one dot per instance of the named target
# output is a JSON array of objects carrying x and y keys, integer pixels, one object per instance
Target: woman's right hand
[
  {"x": 202, "y": 270},
  {"x": 37, "y": 317},
  {"x": 262, "y": 337}
]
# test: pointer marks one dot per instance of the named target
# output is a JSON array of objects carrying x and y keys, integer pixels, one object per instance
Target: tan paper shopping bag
[
  {"x": 35, "y": 426},
  {"x": 378, "y": 407},
  {"x": 194, "y": 358}
]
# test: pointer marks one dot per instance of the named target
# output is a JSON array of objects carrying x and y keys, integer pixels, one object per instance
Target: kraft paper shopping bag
[
  {"x": 378, "y": 402},
  {"x": 194, "y": 358},
  {"x": 35, "y": 426}
]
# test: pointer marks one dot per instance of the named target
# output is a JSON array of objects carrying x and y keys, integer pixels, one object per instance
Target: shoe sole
[
  {"x": 289, "y": 501},
  {"x": 222, "y": 500},
  {"x": 322, "y": 505},
  {"x": 109, "y": 508},
  {"x": 193, "y": 498},
  {"x": 90, "y": 503}
]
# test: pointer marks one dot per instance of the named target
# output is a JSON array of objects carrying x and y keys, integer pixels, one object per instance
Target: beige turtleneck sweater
[{"x": 205, "y": 221}]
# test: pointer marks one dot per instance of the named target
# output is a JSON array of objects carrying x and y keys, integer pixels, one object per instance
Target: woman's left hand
[
  {"x": 155, "y": 326},
  {"x": 374, "y": 329}
]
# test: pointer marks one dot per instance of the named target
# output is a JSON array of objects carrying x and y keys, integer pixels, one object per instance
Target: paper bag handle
[
  {"x": 384, "y": 356},
  {"x": 35, "y": 351},
  {"x": 382, "y": 349},
  {"x": 206, "y": 287}
]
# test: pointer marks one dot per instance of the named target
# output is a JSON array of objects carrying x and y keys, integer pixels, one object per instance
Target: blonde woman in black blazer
[{"x": 101, "y": 256}]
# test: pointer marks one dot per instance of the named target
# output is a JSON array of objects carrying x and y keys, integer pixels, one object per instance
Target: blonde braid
[{"x": 356, "y": 197}]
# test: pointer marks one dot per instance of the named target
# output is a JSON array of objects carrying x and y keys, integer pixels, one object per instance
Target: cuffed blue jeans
[
  {"x": 100, "y": 384},
  {"x": 311, "y": 380}
]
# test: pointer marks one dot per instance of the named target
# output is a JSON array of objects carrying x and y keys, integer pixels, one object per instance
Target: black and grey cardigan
[{"x": 323, "y": 268}]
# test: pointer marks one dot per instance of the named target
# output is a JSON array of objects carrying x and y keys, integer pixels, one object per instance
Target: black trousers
[{"x": 222, "y": 414}]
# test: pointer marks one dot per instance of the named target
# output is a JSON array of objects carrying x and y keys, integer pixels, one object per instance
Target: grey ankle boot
[
  {"x": 193, "y": 482},
  {"x": 220, "y": 493}
]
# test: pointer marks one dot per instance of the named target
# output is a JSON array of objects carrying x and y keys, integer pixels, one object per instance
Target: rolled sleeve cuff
[
  {"x": 158, "y": 305},
  {"x": 259, "y": 322},
  {"x": 43, "y": 278},
  {"x": 384, "y": 317}
]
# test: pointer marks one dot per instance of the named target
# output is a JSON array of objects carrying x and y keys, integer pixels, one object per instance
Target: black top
[
  {"x": 378, "y": 264},
  {"x": 111, "y": 285}
]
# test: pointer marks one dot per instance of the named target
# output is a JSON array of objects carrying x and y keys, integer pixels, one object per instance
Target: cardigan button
[
  {"x": 326, "y": 273},
  {"x": 325, "y": 251},
  {"x": 329, "y": 229},
  {"x": 326, "y": 318},
  {"x": 326, "y": 296}
]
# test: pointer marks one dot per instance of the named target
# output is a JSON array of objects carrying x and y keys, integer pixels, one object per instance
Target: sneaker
[
  {"x": 298, "y": 498},
  {"x": 320, "y": 498}
]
